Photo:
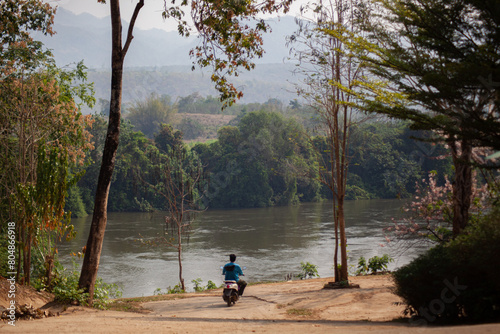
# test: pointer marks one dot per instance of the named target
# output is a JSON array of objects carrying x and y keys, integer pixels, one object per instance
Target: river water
[{"x": 270, "y": 242}]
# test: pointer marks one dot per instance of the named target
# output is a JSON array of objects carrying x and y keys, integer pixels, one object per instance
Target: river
[{"x": 270, "y": 242}]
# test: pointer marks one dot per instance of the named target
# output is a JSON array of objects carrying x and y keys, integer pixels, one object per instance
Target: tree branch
[{"x": 138, "y": 7}]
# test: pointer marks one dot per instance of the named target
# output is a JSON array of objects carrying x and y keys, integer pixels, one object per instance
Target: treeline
[{"x": 266, "y": 158}]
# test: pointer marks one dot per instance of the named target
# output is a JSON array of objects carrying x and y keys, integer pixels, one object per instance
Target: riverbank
[{"x": 291, "y": 307}]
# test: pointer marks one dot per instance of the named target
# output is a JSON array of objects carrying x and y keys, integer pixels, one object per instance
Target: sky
[{"x": 149, "y": 17}]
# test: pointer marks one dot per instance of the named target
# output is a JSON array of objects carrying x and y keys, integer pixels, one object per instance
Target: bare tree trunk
[
  {"x": 93, "y": 249},
  {"x": 462, "y": 185},
  {"x": 343, "y": 275},
  {"x": 336, "y": 252},
  {"x": 179, "y": 257}
]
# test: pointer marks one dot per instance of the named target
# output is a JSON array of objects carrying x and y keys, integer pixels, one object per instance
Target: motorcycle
[{"x": 230, "y": 294}]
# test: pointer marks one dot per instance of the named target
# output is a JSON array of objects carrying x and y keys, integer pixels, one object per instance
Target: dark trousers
[{"x": 241, "y": 286}]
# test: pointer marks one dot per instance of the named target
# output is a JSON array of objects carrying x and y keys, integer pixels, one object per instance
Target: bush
[
  {"x": 377, "y": 263},
  {"x": 458, "y": 280},
  {"x": 197, "y": 285},
  {"x": 309, "y": 270},
  {"x": 66, "y": 289},
  {"x": 374, "y": 264}
]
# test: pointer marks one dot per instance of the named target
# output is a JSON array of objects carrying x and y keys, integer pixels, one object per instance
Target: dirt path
[{"x": 291, "y": 307}]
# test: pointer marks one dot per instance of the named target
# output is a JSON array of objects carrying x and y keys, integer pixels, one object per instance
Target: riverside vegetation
[{"x": 264, "y": 157}]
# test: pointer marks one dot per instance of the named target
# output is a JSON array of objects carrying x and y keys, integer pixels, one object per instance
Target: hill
[{"x": 158, "y": 61}]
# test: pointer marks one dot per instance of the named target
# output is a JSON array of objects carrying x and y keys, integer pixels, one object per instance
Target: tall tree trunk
[
  {"x": 343, "y": 275},
  {"x": 93, "y": 249},
  {"x": 336, "y": 251},
  {"x": 462, "y": 185}
]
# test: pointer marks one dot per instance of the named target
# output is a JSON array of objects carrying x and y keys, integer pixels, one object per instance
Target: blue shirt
[{"x": 232, "y": 272}]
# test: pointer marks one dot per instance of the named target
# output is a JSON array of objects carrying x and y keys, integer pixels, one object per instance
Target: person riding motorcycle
[{"x": 232, "y": 272}]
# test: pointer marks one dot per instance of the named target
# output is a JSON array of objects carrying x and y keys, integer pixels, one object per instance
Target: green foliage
[
  {"x": 457, "y": 280},
  {"x": 374, "y": 264},
  {"x": 65, "y": 288},
  {"x": 377, "y": 263},
  {"x": 308, "y": 270},
  {"x": 177, "y": 289},
  {"x": 74, "y": 203},
  {"x": 211, "y": 285},
  {"x": 191, "y": 128},
  {"x": 147, "y": 115},
  {"x": 362, "y": 266},
  {"x": 264, "y": 160},
  {"x": 197, "y": 285},
  {"x": 199, "y": 288},
  {"x": 451, "y": 90}
]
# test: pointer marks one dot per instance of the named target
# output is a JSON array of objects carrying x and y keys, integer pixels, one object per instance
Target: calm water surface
[{"x": 270, "y": 242}]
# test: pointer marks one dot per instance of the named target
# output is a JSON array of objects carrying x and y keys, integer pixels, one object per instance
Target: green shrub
[
  {"x": 377, "y": 263},
  {"x": 308, "y": 270},
  {"x": 197, "y": 285},
  {"x": 211, "y": 285},
  {"x": 458, "y": 280},
  {"x": 374, "y": 264},
  {"x": 362, "y": 266},
  {"x": 65, "y": 288}
]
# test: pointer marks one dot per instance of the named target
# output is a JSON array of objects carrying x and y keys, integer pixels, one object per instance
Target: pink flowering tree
[{"x": 430, "y": 212}]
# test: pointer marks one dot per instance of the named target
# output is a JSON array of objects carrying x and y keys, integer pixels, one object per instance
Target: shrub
[
  {"x": 457, "y": 280},
  {"x": 308, "y": 270},
  {"x": 362, "y": 266},
  {"x": 197, "y": 285},
  {"x": 66, "y": 288},
  {"x": 377, "y": 263},
  {"x": 211, "y": 285},
  {"x": 374, "y": 264}
]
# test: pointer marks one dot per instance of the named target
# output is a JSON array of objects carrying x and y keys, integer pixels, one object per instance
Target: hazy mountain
[
  {"x": 158, "y": 61},
  {"x": 87, "y": 37}
]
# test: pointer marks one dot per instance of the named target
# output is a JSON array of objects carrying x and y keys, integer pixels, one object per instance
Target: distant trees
[
  {"x": 147, "y": 115},
  {"x": 385, "y": 163},
  {"x": 259, "y": 163}
]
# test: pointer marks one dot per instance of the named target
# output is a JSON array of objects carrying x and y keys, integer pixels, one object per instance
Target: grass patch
[{"x": 303, "y": 312}]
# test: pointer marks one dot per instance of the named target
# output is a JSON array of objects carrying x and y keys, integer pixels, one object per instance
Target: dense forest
[{"x": 268, "y": 154}]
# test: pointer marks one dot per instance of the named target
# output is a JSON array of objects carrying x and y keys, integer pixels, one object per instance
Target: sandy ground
[{"x": 289, "y": 307}]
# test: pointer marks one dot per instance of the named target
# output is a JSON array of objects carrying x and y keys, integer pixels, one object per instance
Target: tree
[
  {"x": 178, "y": 182},
  {"x": 443, "y": 56},
  {"x": 42, "y": 132},
  {"x": 226, "y": 44},
  {"x": 147, "y": 115},
  {"x": 331, "y": 74}
]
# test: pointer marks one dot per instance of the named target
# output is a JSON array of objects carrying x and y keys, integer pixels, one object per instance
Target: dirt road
[{"x": 289, "y": 307}]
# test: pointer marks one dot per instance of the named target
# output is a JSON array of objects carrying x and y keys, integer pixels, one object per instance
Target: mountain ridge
[
  {"x": 86, "y": 37},
  {"x": 158, "y": 61}
]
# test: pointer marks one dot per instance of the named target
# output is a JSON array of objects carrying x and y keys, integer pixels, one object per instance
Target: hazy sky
[{"x": 149, "y": 17}]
